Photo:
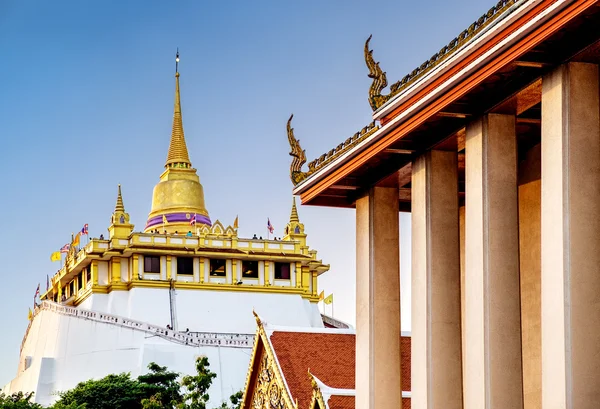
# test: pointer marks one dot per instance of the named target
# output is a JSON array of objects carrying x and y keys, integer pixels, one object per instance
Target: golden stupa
[{"x": 178, "y": 199}]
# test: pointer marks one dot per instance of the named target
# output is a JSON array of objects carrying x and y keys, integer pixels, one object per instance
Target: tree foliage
[
  {"x": 162, "y": 386},
  {"x": 158, "y": 389},
  {"x": 196, "y": 396},
  {"x": 235, "y": 401},
  {"x": 18, "y": 400},
  {"x": 111, "y": 392}
]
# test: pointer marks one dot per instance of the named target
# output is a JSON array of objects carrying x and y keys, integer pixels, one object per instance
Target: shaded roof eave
[{"x": 448, "y": 90}]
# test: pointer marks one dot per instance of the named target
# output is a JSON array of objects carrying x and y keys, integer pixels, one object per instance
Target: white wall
[{"x": 66, "y": 350}]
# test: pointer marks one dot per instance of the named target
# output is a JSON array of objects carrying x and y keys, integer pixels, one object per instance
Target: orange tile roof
[
  {"x": 330, "y": 357},
  {"x": 341, "y": 402}
]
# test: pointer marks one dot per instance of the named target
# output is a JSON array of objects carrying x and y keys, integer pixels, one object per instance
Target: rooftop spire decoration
[
  {"x": 297, "y": 153},
  {"x": 376, "y": 100},
  {"x": 178, "y": 156},
  {"x": 119, "y": 207},
  {"x": 294, "y": 216}
]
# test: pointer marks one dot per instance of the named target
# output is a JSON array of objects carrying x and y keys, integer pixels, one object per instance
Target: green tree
[
  {"x": 196, "y": 396},
  {"x": 162, "y": 387},
  {"x": 69, "y": 406},
  {"x": 18, "y": 400},
  {"x": 111, "y": 392},
  {"x": 236, "y": 401}
]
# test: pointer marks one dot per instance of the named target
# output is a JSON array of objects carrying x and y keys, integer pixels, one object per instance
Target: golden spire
[
  {"x": 294, "y": 216},
  {"x": 119, "y": 207},
  {"x": 178, "y": 156}
]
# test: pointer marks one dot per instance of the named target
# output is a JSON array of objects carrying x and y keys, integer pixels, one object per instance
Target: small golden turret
[
  {"x": 119, "y": 228},
  {"x": 294, "y": 230},
  {"x": 179, "y": 197}
]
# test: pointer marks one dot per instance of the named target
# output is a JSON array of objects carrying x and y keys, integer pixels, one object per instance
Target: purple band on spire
[{"x": 178, "y": 218}]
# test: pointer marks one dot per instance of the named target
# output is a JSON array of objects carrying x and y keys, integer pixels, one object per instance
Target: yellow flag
[
  {"x": 235, "y": 223},
  {"x": 55, "y": 256},
  {"x": 30, "y": 315},
  {"x": 322, "y": 295},
  {"x": 76, "y": 240},
  {"x": 165, "y": 219},
  {"x": 328, "y": 299}
]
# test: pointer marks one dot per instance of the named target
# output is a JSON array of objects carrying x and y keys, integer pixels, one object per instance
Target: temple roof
[
  {"x": 329, "y": 356},
  {"x": 312, "y": 362},
  {"x": 493, "y": 66}
]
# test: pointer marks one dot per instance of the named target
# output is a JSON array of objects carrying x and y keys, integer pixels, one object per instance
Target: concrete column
[
  {"x": 492, "y": 304},
  {"x": 571, "y": 238},
  {"x": 461, "y": 222},
  {"x": 378, "y": 383},
  {"x": 436, "y": 363},
  {"x": 530, "y": 265}
]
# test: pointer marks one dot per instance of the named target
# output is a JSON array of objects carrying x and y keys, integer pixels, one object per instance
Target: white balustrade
[{"x": 185, "y": 338}]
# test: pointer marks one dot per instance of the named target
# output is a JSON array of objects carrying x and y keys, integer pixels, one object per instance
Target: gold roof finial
[
  {"x": 376, "y": 99},
  {"x": 178, "y": 156},
  {"x": 294, "y": 216},
  {"x": 297, "y": 153},
  {"x": 119, "y": 207}
]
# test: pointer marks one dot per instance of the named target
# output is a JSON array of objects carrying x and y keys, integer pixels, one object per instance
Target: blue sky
[{"x": 86, "y": 102}]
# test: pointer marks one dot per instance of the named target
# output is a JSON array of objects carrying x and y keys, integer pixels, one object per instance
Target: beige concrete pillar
[
  {"x": 571, "y": 238},
  {"x": 530, "y": 266},
  {"x": 492, "y": 306},
  {"x": 436, "y": 364},
  {"x": 378, "y": 383},
  {"x": 461, "y": 224}
]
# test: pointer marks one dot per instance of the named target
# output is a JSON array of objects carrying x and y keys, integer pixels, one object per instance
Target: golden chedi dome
[{"x": 178, "y": 199}]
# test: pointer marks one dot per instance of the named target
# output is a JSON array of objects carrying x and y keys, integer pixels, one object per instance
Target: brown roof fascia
[{"x": 510, "y": 54}]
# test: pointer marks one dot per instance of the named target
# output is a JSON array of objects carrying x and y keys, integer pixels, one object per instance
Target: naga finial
[
  {"x": 376, "y": 100},
  {"x": 297, "y": 153}
]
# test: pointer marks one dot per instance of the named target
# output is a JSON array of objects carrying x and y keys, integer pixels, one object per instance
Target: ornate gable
[{"x": 265, "y": 386}]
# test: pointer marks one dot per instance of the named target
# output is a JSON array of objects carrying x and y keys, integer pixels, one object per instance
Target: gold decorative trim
[
  {"x": 270, "y": 390},
  {"x": 377, "y": 100},
  {"x": 297, "y": 153},
  {"x": 379, "y": 79},
  {"x": 317, "y": 401},
  {"x": 298, "y": 176}
]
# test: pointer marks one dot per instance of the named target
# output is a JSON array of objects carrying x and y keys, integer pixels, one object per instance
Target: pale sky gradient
[{"x": 86, "y": 102}]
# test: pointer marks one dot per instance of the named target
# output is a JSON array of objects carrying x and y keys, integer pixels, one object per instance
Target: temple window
[
  {"x": 88, "y": 274},
  {"x": 217, "y": 267},
  {"x": 72, "y": 288},
  {"x": 282, "y": 271},
  {"x": 80, "y": 280},
  {"x": 250, "y": 269},
  {"x": 151, "y": 264},
  {"x": 185, "y": 265}
]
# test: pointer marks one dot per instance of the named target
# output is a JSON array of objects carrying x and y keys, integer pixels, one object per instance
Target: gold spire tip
[
  {"x": 119, "y": 207},
  {"x": 177, "y": 156},
  {"x": 294, "y": 216}
]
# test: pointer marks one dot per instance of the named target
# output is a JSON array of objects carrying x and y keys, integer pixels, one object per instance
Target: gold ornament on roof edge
[
  {"x": 379, "y": 79},
  {"x": 297, "y": 153}
]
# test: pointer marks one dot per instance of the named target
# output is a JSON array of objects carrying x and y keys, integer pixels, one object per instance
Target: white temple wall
[
  {"x": 103, "y": 272},
  {"x": 118, "y": 303},
  {"x": 65, "y": 350},
  {"x": 229, "y": 311},
  {"x": 125, "y": 269},
  {"x": 150, "y": 305}
]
